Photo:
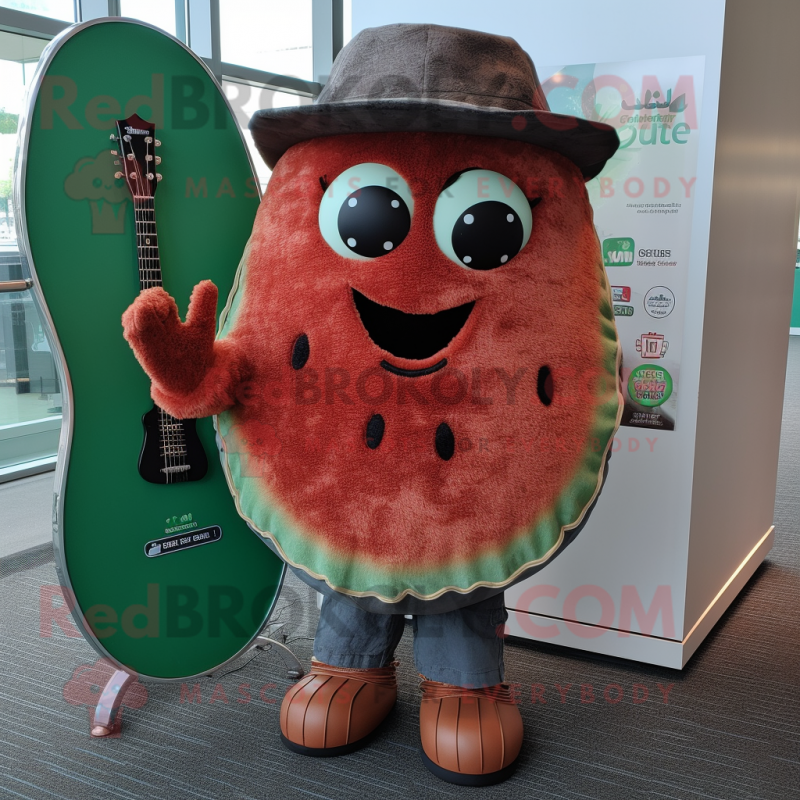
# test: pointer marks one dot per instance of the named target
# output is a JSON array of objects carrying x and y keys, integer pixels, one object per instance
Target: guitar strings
[
  {"x": 146, "y": 280},
  {"x": 153, "y": 280}
]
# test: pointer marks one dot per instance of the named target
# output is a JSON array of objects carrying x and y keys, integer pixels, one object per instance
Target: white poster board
[
  {"x": 643, "y": 204},
  {"x": 612, "y": 579}
]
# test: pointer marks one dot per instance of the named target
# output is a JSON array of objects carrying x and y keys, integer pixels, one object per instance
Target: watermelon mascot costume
[{"x": 415, "y": 377}]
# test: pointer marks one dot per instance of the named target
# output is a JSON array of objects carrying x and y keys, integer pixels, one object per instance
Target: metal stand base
[
  {"x": 293, "y": 667},
  {"x": 106, "y": 716},
  {"x": 105, "y": 719}
]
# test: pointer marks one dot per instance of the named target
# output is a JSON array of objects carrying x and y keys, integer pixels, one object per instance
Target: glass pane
[
  {"x": 57, "y": 9},
  {"x": 269, "y": 35},
  {"x": 29, "y": 389},
  {"x": 157, "y": 12},
  {"x": 347, "y": 21},
  {"x": 18, "y": 58},
  {"x": 245, "y": 100}
]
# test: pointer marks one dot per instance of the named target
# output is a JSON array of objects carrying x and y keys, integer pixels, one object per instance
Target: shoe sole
[
  {"x": 327, "y": 752},
  {"x": 465, "y": 779},
  {"x": 341, "y": 750}
]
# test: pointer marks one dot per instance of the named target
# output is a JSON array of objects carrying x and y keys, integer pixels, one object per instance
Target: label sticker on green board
[{"x": 182, "y": 541}]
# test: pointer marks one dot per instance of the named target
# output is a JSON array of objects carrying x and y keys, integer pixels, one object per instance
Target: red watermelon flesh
[{"x": 385, "y": 484}]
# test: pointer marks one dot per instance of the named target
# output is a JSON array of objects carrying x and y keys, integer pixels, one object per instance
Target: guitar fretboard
[{"x": 147, "y": 242}]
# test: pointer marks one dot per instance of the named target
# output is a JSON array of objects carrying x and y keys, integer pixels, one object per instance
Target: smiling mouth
[{"x": 411, "y": 336}]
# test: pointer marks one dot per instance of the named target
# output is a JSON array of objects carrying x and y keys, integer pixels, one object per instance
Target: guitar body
[
  {"x": 168, "y": 580},
  {"x": 151, "y": 459}
]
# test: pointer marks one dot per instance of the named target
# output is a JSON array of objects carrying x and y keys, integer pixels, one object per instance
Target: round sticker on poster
[
  {"x": 659, "y": 302},
  {"x": 649, "y": 386}
]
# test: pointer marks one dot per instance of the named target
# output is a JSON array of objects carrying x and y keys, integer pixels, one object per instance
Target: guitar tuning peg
[
  {"x": 158, "y": 143},
  {"x": 114, "y": 153},
  {"x": 118, "y": 175},
  {"x": 116, "y": 163},
  {"x": 132, "y": 176},
  {"x": 130, "y": 156},
  {"x": 150, "y": 176},
  {"x": 159, "y": 176},
  {"x": 113, "y": 137},
  {"x": 158, "y": 159}
]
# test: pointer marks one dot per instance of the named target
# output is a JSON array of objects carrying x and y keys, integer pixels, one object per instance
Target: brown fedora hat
[{"x": 434, "y": 78}]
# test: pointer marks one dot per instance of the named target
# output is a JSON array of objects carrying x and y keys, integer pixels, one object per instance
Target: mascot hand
[{"x": 176, "y": 355}]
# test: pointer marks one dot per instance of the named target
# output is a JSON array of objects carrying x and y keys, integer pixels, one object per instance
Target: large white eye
[
  {"x": 482, "y": 219},
  {"x": 366, "y": 212}
]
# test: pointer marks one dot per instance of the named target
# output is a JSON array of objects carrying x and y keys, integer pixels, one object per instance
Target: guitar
[
  {"x": 167, "y": 581},
  {"x": 171, "y": 451}
]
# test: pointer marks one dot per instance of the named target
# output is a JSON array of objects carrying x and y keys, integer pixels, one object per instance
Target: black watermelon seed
[
  {"x": 300, "y": 352},
  {"x": 544, "y": 385},
  {"x": 375, "y": 429},
  {"x": 445, "y": 442}
]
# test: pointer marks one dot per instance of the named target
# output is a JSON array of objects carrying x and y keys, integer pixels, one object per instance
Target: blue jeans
[{"x": 461, "y": 647}]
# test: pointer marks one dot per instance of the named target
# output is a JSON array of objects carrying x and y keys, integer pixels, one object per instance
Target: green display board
[
  {"x": 796, "y": 302},
  {"x": 196, "y": 605}
]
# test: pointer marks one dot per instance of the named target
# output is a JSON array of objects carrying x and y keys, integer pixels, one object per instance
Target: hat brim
[{"x": 586, "y": 143}]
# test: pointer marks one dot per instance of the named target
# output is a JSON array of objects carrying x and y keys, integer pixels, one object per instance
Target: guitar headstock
[{"x": 137, "y": 159}]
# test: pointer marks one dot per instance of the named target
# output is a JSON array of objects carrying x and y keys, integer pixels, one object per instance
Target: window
[
  {"x": 30, "y": 400},
  {"x": 57, "y": 9},
  {"x": 268, "y": 35},
  {"x": 160, "y": 13},
  {"x": 245, "y": 100},
  {"x": 265, "y": 53}
]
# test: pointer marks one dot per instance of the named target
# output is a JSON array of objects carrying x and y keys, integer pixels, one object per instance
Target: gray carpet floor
[
  {"x": 729, "y": 729},
  {"x": 26, "y": 513}
]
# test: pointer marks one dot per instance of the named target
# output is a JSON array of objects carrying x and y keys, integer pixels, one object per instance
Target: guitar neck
[
  {"x": 147, "y": 242},
  {"x": 172, "y": 445}
]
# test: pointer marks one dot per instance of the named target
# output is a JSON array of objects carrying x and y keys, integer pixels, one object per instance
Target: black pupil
[
  {"x": 373, "y": 221},
  {"x": 487, "y": 235}
]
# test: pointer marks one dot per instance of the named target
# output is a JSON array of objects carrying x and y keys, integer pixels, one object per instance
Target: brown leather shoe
[
  {"x": 333, "y": 710},
  {"x": 471, "y": 737}
]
